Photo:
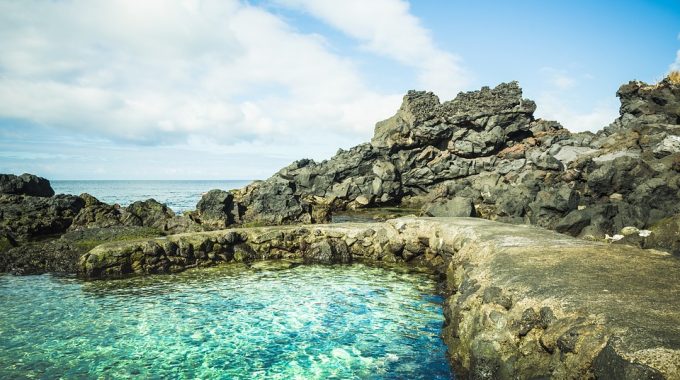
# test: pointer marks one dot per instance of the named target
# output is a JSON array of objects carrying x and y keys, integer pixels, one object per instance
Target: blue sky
[{"x": 238, "y": 89}]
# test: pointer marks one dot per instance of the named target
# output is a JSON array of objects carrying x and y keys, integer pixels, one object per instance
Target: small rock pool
[{"x": 231, "y": 322}]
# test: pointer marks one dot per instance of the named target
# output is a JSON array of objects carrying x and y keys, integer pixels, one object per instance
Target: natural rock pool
[{"x": 347, "y": 321}]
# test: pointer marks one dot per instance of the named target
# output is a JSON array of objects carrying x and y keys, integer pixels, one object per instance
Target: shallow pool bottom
[{"x": 346, "y": 321}]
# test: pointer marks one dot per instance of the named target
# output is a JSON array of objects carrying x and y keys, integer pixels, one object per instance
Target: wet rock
[
  {"x": 62, "y": 255},
  {"x": 547, "y": 317}
]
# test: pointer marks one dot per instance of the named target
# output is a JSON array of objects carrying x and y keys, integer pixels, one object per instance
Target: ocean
[{"x": 180, "y": 195}]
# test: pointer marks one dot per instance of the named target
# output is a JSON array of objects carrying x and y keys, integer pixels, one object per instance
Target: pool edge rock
[{"x": 521, "y": 302}]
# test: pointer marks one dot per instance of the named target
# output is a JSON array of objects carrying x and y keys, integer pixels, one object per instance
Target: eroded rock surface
[{"x": 521, "y": 302}]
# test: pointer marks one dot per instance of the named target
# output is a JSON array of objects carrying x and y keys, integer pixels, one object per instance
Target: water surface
[
  {"x": 226, "y": 322},
  {"x": 180, "y": 196}
]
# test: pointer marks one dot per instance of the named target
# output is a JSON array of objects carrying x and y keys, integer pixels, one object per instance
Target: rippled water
[
  {"x": 180, "y": 196},
  {"x": 226, "y": 322}
]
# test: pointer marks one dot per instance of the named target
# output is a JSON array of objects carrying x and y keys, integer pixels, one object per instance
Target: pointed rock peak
[{"x": 416, "y": 108}]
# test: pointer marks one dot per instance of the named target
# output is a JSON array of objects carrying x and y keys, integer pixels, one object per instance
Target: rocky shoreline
[{"x": 522, "y": 301}]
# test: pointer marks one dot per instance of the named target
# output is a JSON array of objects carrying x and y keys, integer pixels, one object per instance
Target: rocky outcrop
[
  {"x": 217, "y": 209},
  {"x": 411, "y": 158},
  {"x": 48, "y": 233},
  {"x": 521, "y": 302},
  {"x": 487, "y": 146},
  {"x": 61, "y": 254},
  {"x": 25, "y": 184},
  {"x": 29, "y": 217}
]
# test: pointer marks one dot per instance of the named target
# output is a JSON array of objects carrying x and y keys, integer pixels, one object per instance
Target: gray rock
[
  {"x": 568, "y": 154},
  {"x": 217, "y": 208},
  {"x": 148, "y": 213},
  {"x": 328, "y": 251},
  {"x": 543, "y": 160},
  {"x": 455, "y": 207},
  {"x": 669, "y": 145}
]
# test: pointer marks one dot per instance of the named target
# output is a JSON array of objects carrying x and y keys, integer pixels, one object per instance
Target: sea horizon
[{"x": 179, "y": 195}]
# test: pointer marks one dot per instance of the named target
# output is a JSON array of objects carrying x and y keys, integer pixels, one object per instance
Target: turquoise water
[
  {"x": 229, "y": 322},
  {"x": 180, "y": 196}
]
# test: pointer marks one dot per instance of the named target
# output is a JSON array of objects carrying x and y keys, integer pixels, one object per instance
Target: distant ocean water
[{"x": 180, "y": 196}]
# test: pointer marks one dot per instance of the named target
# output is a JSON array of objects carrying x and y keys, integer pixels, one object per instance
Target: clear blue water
[
  {"x": 229, "y": 322},
  {"x": 180, "y": 196}
]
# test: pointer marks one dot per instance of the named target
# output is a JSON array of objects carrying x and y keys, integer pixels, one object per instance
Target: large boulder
[
  {"x": 97, "y": 214},
  {"x": 426, "y": 143},
  {"x": 218, "y": 209},
  {"x": 25, "y": 184},
  {"x": 149, "y": 213}
]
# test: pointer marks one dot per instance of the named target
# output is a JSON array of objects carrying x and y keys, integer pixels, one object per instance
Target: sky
[{"x": 232, "y": 89}]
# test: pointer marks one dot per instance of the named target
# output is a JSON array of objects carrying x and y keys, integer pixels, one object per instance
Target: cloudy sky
[{"x": 230, "y": 89}]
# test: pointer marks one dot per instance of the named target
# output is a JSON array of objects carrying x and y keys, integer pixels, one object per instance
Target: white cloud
[
  {"x": 552, "y": 105},
  {"x": 558, "y": 78},
  {"x": 387, "y": 27},
  {"x": 675, "y": 66},
  {"x": 169, "y": 72},
  {"x": 560, "y": 99}
]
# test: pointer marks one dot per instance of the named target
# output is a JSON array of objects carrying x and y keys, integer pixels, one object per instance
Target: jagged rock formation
[
  {"x": 425, "y": 146},
  {"x": 487, "y": 146},
  {"x": 521, "y": 302}
]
